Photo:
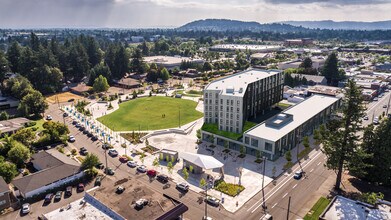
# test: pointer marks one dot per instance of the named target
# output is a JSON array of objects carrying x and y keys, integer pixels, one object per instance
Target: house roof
[
  {"x": 12, "y": 124},
  {"x": 128, "y": 82},
  {"x": 55, "y": 166},
  {"x": 3, "y": 185},
  {"x": 203, "y": 161},
  {"x": 313, "y": 78},
  {"x": 81, "y": 87}
]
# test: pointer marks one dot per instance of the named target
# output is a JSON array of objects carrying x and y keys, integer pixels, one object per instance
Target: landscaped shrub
[{"x": 228, "y": 188}]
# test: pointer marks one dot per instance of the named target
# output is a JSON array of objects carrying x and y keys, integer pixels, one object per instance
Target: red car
[
  {"x": 80, "y": 187},
  {"x": 123, "y": 159},
  {"x": 151, "y": 173}
]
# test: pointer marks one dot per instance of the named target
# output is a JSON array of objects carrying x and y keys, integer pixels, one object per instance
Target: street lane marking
[
  {"x": 311, "y": 170},
  {"x": 262, "y": 216},
  {"x": 274, "y": 205},
  {"x": 284, "y": 195},
  {"x": 294, "y": 186},
  {"x": 318, "y": 164},
  {"x": 271, "y": 193}
]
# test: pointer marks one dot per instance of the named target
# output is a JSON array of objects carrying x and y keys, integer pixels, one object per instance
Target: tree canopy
[{"x": 101, "y": 84}]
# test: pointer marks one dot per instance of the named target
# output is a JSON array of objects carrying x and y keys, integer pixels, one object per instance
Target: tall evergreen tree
[
  {"x": 307, "y": 63},
  {"x": 330, "y": 70},
  {"x": 13, "y": 56},
  {"x": 341, "y": 139},
  {"x": 95, "y": 54},
  {"x": 121, "y": 63},
  {"x": 377, "y": 142},
  {"x": 78, "y": 62},
  {"x": 3, "y": 66},
  {"x": 137, "y": 61},
  {"x": 34, "y": 42}
]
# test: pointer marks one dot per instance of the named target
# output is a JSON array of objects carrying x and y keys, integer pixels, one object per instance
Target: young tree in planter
[
  {"x": 306, "y": 142},
  {"x": 288, "y": 156},
  {"x": 212, "y": 139},
  {"x": 226, "y": 145},
  {"x": 191, "y": 169},
  {"x": 185, "y": 173},
  {"x": 316, "y": 136},
  {"x": 274, "y": 170},
  {"x": 90, "y": 161},
  {"x": 155, "y": 162},
  {"x": 170, "y": 167},
  {"x": 242, "y": 150},
  {"x": 198, "y": 134}
]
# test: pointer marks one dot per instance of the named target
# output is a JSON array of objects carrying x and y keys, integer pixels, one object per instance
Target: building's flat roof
[
  {"x": 344, "y": 208},
  {"x": 239, "y": 81},
  {"x": 170, "y": 60},
  {"x": 12, "y": 124},
  {"x": 301, "y": 112}
]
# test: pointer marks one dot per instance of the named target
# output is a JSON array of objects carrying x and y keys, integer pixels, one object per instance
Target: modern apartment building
[{"x": 230, "y": 101}]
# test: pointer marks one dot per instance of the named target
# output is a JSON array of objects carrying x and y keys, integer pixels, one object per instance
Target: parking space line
[
  {"x": 294, "y": 186},
  {"x": 284, "y": 195},
  {"x": 311, "y": 170},
  {"x": 274, "y": 205},
  {"x": 318, "y": 164}
]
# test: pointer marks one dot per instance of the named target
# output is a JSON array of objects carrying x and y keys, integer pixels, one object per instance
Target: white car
[
  {"x": 26, "y": 208},
  {"x": 132, "y": 164},
  {"x": 213, "y": 201},
  {"x": 71, "y": 138},
  {"x": 49, "y": 118},
  {"x": 183, "y": 186}
]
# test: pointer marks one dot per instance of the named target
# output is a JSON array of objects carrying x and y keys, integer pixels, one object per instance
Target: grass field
[
  {"x": 317, "y": 209},
  {"x": 62, "y": 97},
  {"x": 146, "y": 114}
]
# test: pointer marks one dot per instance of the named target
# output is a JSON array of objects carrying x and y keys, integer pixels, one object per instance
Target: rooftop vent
[
  {"x": 230, "y": 89},
  {"x": 240, "y": 90}
]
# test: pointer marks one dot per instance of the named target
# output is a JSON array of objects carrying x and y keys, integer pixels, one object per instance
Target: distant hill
[
  {"x": 234, "y": 25},
  {"x": 345, "y": 25}
]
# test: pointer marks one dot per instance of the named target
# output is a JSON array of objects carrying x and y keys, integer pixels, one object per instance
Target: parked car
[
  {"x": 123, "y": 159},
  {"x": 89, "y": 134},
  {"x": 94, "y": 138},
  {"x": 68, "y": 191},
  {"x": 85, "y": 131},
  {"x": 58, "y": 196},
  {"x": 106, "y": 147},
  {"x": 132, "y": 164},
  {"x": 80, "y": 187},
  {"x": 120, "y": 189},
  {"x": 48, "y": 198},
  {"x": 77, "y": 125},
  {"x": 100, "y": 166},
  {"x": 366, "y": 118},
  {"x": 71, "y": 138},
  {"x": 26, "y": 208},
  {"x": 113, "y": 152},
  {"x": 98, "y": 181},
  {"x": 65, "y": 115},
  {"x": 109, "y": 171},
  {"x": 183, "y": 186},
  {"x": 81, "y": 128},
  {"x": 74, "y": 122},
  {"x": 83, "y": 151},
  {"x": 49, "y": 117},
  {"x": 71, "y": 100},
  {"x": 298, "y": 175},
  {"x": 375, "y": 99},
  {"x": 141, "y": 203},
  {"x": 162, "y": 178},
  {"x": 142, "y": 169},
  {"x": 151, "y": 173},
  {"x": 385, "y": 106},
  {"x": 213, "y": 201}
]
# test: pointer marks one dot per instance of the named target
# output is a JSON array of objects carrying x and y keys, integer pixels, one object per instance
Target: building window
[
  {"x": 231, "y": 129},
  {"x": 206, "y": 95},
  {"x": 237, "y": 130},
  {"x": 232, "y": 102},
  {"x": 246, "y": 140},
  {"x": 221, "y": 101},
  {"x": 227, "y": 102},
  {"x": 268, "y": 146},
  {"x": 217, "y": 95},
  {"x": 232, "y": 109},
  {"x": 254, "y": 142},
  {"x": 227, "y": 115},
  {"x": 237, "y": 116},
  {"x": 237, "y": 123},
  {"x": 238, "y": 102},
  {"x": 237, "y": 110}
]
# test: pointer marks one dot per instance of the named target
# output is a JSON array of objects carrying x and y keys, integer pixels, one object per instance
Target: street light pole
[
  {"x": 179, "y": 117},
  {"x": 263, "y": 184}
]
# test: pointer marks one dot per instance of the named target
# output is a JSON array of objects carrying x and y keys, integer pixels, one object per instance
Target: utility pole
[
  {"x": 106, "y": 160},
  {"x": 289, "y": 205},
  {"x": 263, "y": 184},
  {"x": 206, "y": 197}
]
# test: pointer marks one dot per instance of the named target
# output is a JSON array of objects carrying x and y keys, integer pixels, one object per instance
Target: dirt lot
[
  {"x": 123, "y": 203},
  {"x": 63, "y": 97}
]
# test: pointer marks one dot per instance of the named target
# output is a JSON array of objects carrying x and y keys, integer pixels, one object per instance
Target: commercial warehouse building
[{"x": 232, "y": 100}]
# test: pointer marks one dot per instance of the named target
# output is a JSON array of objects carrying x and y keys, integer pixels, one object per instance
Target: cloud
[{"x": 337, "y": 2}]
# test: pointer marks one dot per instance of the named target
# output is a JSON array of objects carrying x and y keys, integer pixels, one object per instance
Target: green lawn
[
  {"x": 213, "y": 128},
  {"x": 39, "y": 124},
  {"x": 317, "y": 209},
  {"x": 146, "y": 114}
]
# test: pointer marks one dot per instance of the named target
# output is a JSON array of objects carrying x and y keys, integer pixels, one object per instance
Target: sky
[{"x": 174, "y": 13}]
